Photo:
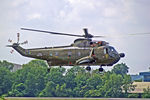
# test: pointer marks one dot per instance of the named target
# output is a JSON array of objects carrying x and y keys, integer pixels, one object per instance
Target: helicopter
[{"x": 84, "y": 51}]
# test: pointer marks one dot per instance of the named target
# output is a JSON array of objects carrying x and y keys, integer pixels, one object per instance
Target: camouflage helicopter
[{"x": 83, "y": 51}]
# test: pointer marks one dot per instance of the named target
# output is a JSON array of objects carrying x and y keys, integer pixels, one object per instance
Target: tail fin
[
  {"x": 9, "y": 45},
  {"x": 18, "y": 48},
  {"x": 16, "y": 45}
]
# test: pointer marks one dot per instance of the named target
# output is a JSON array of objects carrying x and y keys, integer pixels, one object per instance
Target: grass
[
  {"x": 32, "y": 98},
  {"x": 53, "y": 99}
]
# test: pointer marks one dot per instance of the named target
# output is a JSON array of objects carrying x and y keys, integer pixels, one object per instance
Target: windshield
[{"x": 112, "y": 49}]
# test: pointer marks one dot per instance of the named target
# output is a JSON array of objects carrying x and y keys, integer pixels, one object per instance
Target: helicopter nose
[{"x": 122, "y": 55}]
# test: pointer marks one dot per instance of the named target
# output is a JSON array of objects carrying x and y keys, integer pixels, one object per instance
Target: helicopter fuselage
[{"x": 70, "y": 56}]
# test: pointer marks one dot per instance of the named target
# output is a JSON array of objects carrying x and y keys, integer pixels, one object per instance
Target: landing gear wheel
[
  {"x": 101, "y": 69},
  {"x": 88, "y": 68},
  {"x": 48, "y": 70}
]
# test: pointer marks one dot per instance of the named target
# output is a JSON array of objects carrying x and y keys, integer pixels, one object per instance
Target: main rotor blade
[
  {"x": 140, "y": 34},
  {"x": 131, "y": 35},
  {"x": 51, "y": 32},
  {"x": 99, "y": 36},
  {"x": 122, "y": 35}
]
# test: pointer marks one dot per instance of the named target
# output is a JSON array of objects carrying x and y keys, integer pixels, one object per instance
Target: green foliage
[
  {"x": 133, "y": 95},
  {"x": 120, "y": 69},
  {"x": 61, "y": 90},
  {"x": 146, "y": 93},
  {"x": 37, "y": 63},
  {"x": 112, "y": 86},
  {"x": 32, "y": 77},
  {"x": 93, "y": 83},
  {"x": 55, "y": 75},
  {"x": 5, "y": 80},
  {"x": 18, "y": 90},
  {"x": 49, "y": 90},
  {"x": 34, "y": 80},
  {"x": 127, "y": 85},
  {"x": 6, "y": 64}
]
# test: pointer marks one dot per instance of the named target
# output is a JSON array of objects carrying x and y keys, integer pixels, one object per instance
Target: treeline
[{"x": 33, "y": 80}]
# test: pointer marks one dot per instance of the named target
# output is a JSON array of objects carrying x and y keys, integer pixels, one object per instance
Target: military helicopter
[{"x": 84, "y": 51}]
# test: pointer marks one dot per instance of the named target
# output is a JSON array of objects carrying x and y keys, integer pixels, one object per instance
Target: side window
[
  {"x": 69, "y": 53},
  {"x": 50, "y": 54},
  {"x": 106, "y": 50},
  {"x": 56, "y": 53},
  {"x": 79, "y": 53}
]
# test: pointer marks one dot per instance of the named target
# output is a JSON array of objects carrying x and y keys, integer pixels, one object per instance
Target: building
[
  {"x": 146, "y": 76},
  {"x": 16, "y": 67},
  {"x": 143, "y": 76},
  {"x": 136, "y": 77},
  {"x": 140, "y": 86}
]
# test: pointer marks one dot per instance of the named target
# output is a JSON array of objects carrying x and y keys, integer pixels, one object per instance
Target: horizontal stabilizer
[{"x": 9, "y": 45}]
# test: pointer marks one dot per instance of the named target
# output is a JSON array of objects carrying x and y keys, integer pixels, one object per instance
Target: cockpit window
[{"x": 112, "y": 49}]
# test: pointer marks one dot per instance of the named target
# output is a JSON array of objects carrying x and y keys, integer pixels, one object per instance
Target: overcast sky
[{"x": 102, "y": 17}]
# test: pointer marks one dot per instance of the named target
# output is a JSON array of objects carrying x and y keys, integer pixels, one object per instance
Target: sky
[{"x": 112, "y": 18}]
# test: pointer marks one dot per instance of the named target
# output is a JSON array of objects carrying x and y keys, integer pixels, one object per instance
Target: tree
[
  {"x": 81, "y": 86},
  {"x": 18, "y": 90},
  {"x": 62, "y": 91},
  {"x": 70, "y": 79},
  {"x": 133, "y": 95},
  {"x": 71, "y": 75},
  {"x": 32, "y": 76},
  {"x": 6, "y": 64},
  {"x": 120, "y": 69},
  {"x": 35, "y": 81},
  {"x": 55, "y": 75},
  {"x": 94, "y": 81},
  {"x": 49, "y": 90},
  {"x": 5, "y": 80},
  {"x": 31, "y": 67},
  {"x": 37, "y": 63},
  {"x": 93, "y": 93},
  {"x": 146, "y": 93},
  {"x": 127, "y": 85},
  {"x": 112, "y": 85}
]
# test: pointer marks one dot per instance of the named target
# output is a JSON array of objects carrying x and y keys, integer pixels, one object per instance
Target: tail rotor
[
  {"x": 14, "y": 44},
  {"x": 18, "y": 37},
  {"x": 12, "y": 51},
  {"x": 9, "y": 40}
]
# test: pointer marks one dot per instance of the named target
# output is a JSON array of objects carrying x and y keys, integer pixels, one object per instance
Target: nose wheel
[{"x": 88, "y": 68}]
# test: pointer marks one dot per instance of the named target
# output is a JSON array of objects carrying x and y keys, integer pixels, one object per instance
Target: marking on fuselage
[
  {"x": 69, "y": 54},
  {"x": 50, "y": 54},
  {"x": 39, "y": 54},
  {"x": 106, "y": 55},
  {"x": 79, "y": 53},
  {"x": 27, "y": 52},
  {"x": 56, "y": 53}
]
